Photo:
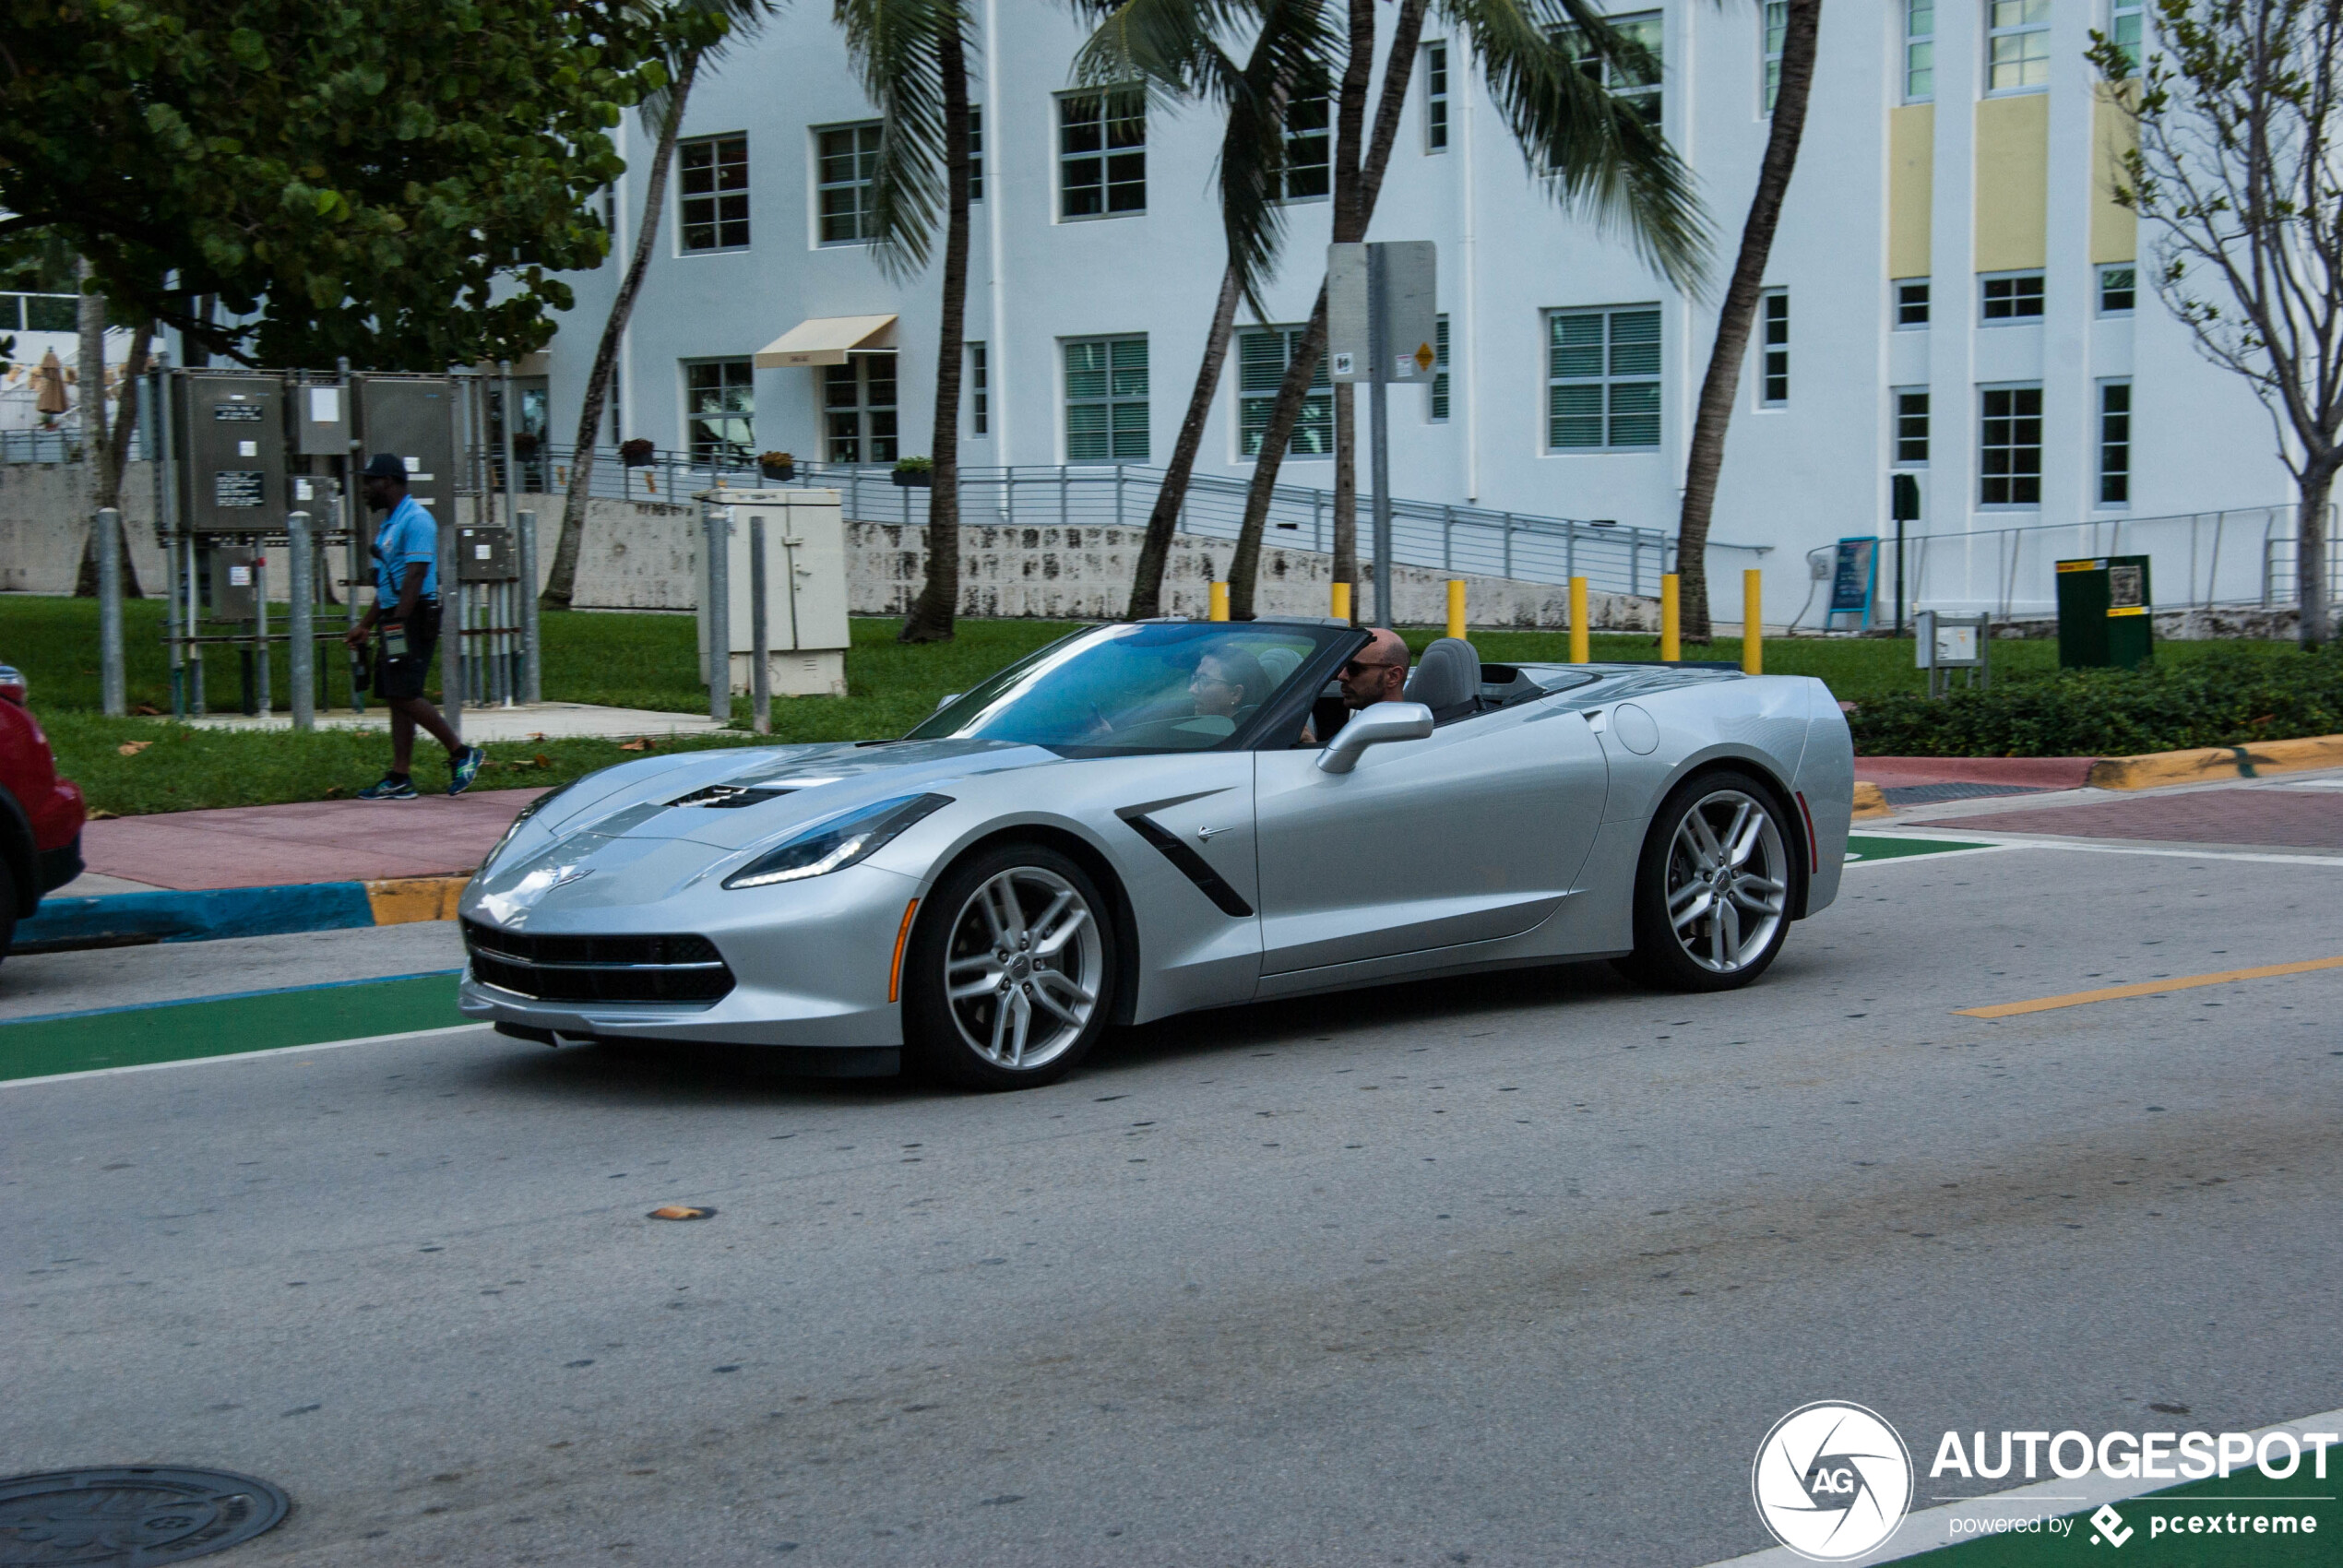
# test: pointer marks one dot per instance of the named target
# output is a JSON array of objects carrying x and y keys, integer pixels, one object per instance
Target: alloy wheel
[
  {"x": 1727, "y": 888},
  {"x": 1024, "y": 968}
]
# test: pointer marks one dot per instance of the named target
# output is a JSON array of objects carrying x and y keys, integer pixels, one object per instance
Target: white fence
[{"x": 2197, "y": 560}]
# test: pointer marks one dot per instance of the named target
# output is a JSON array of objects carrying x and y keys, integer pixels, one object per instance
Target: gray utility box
[
  {"x": 319, "y": 417},
  {"x": 233, "y": 575},
  {"x": 230, "y": 432},
  {"x": 486, "y": 556},
  {"x": 412, "y": 417}
]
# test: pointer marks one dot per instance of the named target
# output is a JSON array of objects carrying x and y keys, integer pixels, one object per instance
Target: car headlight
[
  {"x": 538, "y": 804},
  {"x": 837, "y": 843}
]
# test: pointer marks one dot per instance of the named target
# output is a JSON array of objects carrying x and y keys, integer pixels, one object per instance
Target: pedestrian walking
[{"x": 406, "y": 614}]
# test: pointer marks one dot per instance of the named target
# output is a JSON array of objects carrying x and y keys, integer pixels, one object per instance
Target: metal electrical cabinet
[
  {"x": 2104, "y": 619},
  {"x": 805, "y": 629},
  {"x": 486, "y": 556},
  {"x": 230, "y": 441},
  {"x": 412, "y": 417}
]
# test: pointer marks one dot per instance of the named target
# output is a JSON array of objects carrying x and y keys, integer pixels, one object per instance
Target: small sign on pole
[
  {"x": 1410, "y": 310},
  {"x": 1854, "y": 580}
]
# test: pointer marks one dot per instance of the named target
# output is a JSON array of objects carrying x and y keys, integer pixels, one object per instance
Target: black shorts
[{"x": 398, "y": 678}]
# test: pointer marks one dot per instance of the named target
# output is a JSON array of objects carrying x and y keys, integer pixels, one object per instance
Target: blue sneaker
[
  {"x": 464, "y": 769},
  {"x": 390, "y": 788}
]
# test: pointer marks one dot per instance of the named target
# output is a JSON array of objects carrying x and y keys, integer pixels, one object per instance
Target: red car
[{"x": 40, "y": 815}]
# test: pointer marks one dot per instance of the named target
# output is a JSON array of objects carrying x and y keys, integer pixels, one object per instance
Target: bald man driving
[{"x": 1377, "y": 672}]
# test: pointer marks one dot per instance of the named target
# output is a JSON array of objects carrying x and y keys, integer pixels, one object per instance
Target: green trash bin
[{"x": 2103, "y": 620}]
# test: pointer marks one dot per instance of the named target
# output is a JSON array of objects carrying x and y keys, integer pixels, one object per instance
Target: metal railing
[
  {"x": 59, "y": 446},
  {"x": 1612, "y": 557},
  {"x": 2244, "y": 557}
]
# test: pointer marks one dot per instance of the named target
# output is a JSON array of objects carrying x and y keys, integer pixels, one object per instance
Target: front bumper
[{"x": 811, "y": 963}]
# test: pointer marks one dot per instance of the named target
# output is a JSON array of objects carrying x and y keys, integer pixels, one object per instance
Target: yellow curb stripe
[
  {"x": 1871, "y": 799},
  {"x": 2149, "y": 988},
  {"x": 416, "y": 898},
  {"x": 2216, "y": 762}
]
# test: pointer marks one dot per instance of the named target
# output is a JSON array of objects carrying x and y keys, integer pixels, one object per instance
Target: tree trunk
[
  {"x": 2311, "y": 590},
  {"x": 939, "y": 601},
  {"x": 1718, "y": 390},
  {"x": 110, "y": 465},
  {"x": 1346, "y": 494},
  {"x": 1357, "y": 184},
  {"x": 89, "y": 400},
  {"x": 1155, "y": 552},
  {"x": 564, "y": 580}
]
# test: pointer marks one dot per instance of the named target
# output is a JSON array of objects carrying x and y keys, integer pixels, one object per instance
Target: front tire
[
  {"x": 1009, "y": 978},
  {"x": 1713, "y": 887}
]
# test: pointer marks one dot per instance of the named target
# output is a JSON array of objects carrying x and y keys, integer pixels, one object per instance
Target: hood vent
[{"x": 730, "y": 797}]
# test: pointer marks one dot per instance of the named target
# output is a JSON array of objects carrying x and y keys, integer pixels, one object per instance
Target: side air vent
[
  {"x": 730, "y": 797},
  {"x": 1193, "y": 866}
]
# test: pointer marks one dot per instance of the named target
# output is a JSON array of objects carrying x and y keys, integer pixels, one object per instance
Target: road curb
[
  {"x": 1871, "y": 800},
  {"x": 121, "y": 919},
  {"x": 2212, "y": 763}
]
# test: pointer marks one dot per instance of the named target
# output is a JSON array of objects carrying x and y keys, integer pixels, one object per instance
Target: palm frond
[{"x": 894, "y": 46}]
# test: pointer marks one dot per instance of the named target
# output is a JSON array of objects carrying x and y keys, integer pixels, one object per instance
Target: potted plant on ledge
[
  {"x": 915, "y": 473},
  {"x": 778, "y": 467},
  {"x": 636, "y": 454}
]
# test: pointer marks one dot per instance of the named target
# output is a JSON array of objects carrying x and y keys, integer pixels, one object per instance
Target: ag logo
[{"x": 1831, "y": 1481}]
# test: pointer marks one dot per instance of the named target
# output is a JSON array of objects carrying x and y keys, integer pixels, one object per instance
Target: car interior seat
[{"x": 1446, "y": 680}]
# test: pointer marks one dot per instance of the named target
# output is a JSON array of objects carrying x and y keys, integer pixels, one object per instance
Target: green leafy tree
[{"x": 397, "y": 182}]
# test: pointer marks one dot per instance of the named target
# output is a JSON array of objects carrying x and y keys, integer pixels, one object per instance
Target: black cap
[{"x": 386, "y": 464}]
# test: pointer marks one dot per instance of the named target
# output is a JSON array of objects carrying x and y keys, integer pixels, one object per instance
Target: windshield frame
[{"x": 1290, "y": 704}]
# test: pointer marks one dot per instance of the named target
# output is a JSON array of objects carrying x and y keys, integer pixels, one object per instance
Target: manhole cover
[{"x": 130, "y": 1516}]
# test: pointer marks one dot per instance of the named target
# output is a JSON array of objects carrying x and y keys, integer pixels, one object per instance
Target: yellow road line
[{"x": 2149, "y": 988}]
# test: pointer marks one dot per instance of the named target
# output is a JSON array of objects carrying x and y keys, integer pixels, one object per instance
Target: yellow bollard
[
  {"x": 1455, "y": 608},
  {"x": 1671, "y": 647},
  {"x": 1341, "y": 609},
  {"x": 1581, "y": 637},
  {"x": 1219, "y": 601},
  {"x": 1753, "y": 629}
]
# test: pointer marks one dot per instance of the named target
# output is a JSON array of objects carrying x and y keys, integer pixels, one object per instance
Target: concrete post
[
  {"x": 300, "y": 647},
  {"x": 760, "y": 677},
  {"x": 110, "y": 673},
  {"x": 717, "y": 542}
]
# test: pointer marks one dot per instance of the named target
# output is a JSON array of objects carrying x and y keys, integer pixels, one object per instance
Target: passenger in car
[
  {"x": 1377, "y": 672},
  {"x": 1227, "y": 680}
]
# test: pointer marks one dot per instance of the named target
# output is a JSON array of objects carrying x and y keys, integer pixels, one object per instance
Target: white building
[{"x": 1951, "y": 294}]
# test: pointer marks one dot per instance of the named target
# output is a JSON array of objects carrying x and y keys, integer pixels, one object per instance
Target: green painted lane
[
  {"x": 2299, "y": 1523},
  {"x": 1863, "y": 846},
  {"x": 227, "y": 1025}
]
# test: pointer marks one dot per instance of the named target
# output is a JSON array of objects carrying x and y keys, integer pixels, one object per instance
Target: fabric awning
[{"x": 827, "y": 339}]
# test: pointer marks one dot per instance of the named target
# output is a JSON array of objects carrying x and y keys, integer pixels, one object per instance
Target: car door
[{"x": 1473, "y": 833}]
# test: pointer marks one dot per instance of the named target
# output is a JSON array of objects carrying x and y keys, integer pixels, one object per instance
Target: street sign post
[{"x": 1383, "y": 319}]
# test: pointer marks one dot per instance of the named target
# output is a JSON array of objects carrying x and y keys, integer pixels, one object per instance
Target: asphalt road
[{"x": 1510, "y": 1270}]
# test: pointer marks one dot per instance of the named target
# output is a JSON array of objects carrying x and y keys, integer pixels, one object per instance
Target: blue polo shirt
[{"x": 407, "y": 536}]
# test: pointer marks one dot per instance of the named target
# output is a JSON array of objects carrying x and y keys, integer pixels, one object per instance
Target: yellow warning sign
[{"x": 1425, "y": 356}]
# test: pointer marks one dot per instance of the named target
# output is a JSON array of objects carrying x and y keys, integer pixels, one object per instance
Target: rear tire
[
  {"x": 1009, "y": 978},
  {"x": 1714, "y": 886}
]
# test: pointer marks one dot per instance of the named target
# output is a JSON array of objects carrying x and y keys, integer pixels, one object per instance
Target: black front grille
[{"x": 598, "y": 968}]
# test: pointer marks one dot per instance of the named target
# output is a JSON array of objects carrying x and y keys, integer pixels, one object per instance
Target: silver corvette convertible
[{"x": 1151, "y": 818}]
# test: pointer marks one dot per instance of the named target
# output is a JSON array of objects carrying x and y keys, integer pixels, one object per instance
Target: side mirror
[
  {"x": 947, "y": 700},
  {"x": 1370, "y": 727}
]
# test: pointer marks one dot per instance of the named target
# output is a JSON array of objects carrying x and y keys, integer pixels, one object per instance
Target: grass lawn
[{"x": 648, "y": 662}]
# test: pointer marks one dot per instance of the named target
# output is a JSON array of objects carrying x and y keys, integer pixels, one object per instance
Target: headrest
[{"x": 1446, "y": 680}]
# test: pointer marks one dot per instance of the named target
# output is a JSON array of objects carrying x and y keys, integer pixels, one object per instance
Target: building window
[
  {"x": 1773, "y": 319},
  {"x": 1911, "y": 302},
  {"x": 2013, "y": 296},
  {"x": 2018, "y": 44},
  {"x": 2116, "y": 290},
  {"x": 1106, "y": 400},
  {"x": 720, "y": 411},
  {"x": 1602, "y": 380},
  {"x": 858, "y": 410},
  {"x": 713, "y": 201},
  {"x": 1638, "y": 85},
  {"x": 2010, "y": 446},
  {"x": 1440, "y": 374},
  {"x": 1435, "y": 98},
  {"x": 980, "y": 391},
  {"x": 2115, "y": 442},
  {"x": 1911, "y": 426},
  {"x": 1777, "y": 25},
  {"x": 2127, "y": 28},
  {"x": 1102, "y": 153},
  {"x": 976, "y": 152},
  {"x": 849, "y": 161},
  {"x": 1307, "y": 171},
  {"x": 1263, "y": 355},
  {"x": 1919, "y": 51}
]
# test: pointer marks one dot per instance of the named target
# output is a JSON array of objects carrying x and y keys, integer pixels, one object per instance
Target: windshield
[{"x": 1153, "y": 686}]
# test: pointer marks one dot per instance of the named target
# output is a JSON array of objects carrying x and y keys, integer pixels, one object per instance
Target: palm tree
[
  {"x": 1800, "y": 26},
  {"x": 702, "y": 27},
  {"x": 913, "y": 57},
  {"x": 1595, "y": 153},
  {"x": 1143, "y": 40}
]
